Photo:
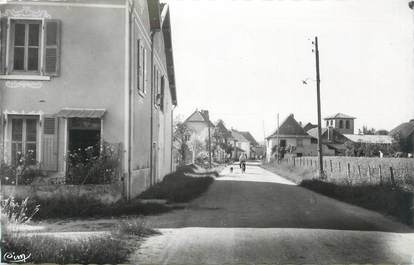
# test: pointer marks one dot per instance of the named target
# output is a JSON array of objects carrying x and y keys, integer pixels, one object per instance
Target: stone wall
[{"x": 106, "y": 193}]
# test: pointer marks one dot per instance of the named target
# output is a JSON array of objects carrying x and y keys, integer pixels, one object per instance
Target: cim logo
[{"x": 13, "y": 258}]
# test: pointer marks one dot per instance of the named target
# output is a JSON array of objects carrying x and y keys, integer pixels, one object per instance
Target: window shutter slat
[
  {"x": 50, "y": 144},
  {"x": 51, "y": 55},
  {"x": 3, "y": 44}
]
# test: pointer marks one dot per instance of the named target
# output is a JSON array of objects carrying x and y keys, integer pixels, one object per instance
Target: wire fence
[{"x": 361, "y": 170}]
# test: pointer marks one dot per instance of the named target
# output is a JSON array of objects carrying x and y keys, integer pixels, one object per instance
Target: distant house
[
  {"x": 309, "y": 126},
  {"x": 290, "y": 136},
  {"x": 253, "y": 144},
  {"x": 404, "y": 134},
  {"x": 341, "y": 122},
  {"x": 240, "y": 143},
  {"x": 332, "y": 140},
  {"x": 202, "y": 131}
]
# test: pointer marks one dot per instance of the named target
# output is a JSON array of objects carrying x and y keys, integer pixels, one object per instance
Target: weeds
[
  {"x": 136, "y": 227},
  {"x": 14, "y": 211}
]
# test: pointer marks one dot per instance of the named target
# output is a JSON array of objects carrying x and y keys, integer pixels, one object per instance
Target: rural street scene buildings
[{"x": 206, "y": 132}]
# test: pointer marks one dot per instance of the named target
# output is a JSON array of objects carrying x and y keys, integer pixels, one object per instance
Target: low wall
[{"x": 106, "y": 193}]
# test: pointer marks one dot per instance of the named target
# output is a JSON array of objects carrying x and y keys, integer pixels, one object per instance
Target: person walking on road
[{"x": 242, "y": 160}]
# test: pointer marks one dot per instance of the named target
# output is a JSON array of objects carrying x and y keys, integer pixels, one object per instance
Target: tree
[
  {"x": 181, "y": 138},
  {"x": 367, "y": 131}
]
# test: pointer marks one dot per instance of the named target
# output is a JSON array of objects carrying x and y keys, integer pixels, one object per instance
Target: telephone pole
[{"x": 318, "y": 94}]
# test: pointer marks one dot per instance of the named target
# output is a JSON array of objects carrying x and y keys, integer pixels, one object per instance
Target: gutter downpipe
[
  {"x": 152, "y": 109},
  {"x": 128, "y": 96}
]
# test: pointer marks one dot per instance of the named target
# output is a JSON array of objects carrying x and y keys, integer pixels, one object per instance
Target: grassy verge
[
  {"x": 385, "y": 199},
  {"x": 183, "y": 185},
  {"x": 111, "y": 249},
  {"x": 82, "y": 207}
]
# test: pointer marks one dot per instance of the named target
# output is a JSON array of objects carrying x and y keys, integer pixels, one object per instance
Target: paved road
[{"x": 259, "y": 217}]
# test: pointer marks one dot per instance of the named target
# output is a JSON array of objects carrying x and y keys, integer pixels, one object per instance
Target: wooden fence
[{"x": 356, "y": 170}]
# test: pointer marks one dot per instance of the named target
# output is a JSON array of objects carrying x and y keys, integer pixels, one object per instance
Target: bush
[
  {"x": 83, "y": 207},
  {"x": 25, "y": 170},
  {"x": 94, "y": 165},
  {"x": 179, "y": 186}
]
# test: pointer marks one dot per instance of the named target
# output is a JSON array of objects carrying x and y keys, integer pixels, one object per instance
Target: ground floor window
[{"x": 24, "y": 140}]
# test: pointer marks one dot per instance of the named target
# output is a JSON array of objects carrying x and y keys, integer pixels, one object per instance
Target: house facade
[
  {"x": 240, "y": 144},
  {"x": 77, "y": 74},
  {"x": 291, "y": 137},
  {"x": 202, "y": 130},
  {"x": 341, "y": 122},
  {"x": 333, "y": 142}
]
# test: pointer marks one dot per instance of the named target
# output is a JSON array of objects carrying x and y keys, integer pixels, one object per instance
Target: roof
[
  {"x": 80, "y": 113},
  {"x": 404, "y": 129},
  {"x": 290, "y": 127},
  {"x": 221, "y": 126},
  {"x": 339, "y": 116},
  {"x": 309, "y": 126},
  {"x": 250, "y": 138},
  {"x": 314, "y": 132},
  {"x": 199, "y": 116},
  {"x": 166, "y": 31},
  {"x": 370, "y": 139},
  {"x": 238, "y": 136}
]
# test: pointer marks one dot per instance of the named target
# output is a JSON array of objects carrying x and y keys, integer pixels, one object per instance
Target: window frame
[
  {"x": 11, "y": 23},
  {"x": 24, "y": 140},
  {"x": 347, "y": 124}
]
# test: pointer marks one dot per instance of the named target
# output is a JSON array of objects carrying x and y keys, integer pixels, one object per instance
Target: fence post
[
  {"x": 369, "y": 174},
  {"x": 359, "y": 172},
  {"x": 330, "y": 162},
  {"x": 294, "y": 162},
  {"x": 348, "y": 170},
  {"x": 392, "y": 177},
  {"x": 311, "y": 162},
  {"x": 380, "y": 173},
  {"x": 339, "y": 164}
]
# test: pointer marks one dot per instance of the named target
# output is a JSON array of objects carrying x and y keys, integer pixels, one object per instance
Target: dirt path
[{"x": 260, "y": 217}]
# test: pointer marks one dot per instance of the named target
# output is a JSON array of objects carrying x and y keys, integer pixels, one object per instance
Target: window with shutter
[
  {"x": 3, "y": 44},
  {"x": 51, "y": 60},
  {"x": 162, "y": 93},
  {"x": 144, "y": 72},
  {"x": 138, "y": 64}
]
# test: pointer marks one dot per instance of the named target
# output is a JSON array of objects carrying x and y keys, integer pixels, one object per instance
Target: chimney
[{"x": 205, "y": 113}]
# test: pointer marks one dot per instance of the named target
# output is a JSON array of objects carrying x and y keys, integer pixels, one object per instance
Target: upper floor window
[
  {"x": 347, "y": 125},
  {"x": 341, "y": 124},
  {"x": 299, "y": 142},
  {"x": 30, "y": 46}
]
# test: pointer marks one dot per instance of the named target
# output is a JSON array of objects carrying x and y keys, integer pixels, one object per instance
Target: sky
[{"x": 244, "y": 60}]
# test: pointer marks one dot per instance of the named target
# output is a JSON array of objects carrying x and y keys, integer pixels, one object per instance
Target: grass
[
  {"x": 182, "y": 185},
  {"x": 385, "y": 199},
  {"x": 111, "y": 249}
]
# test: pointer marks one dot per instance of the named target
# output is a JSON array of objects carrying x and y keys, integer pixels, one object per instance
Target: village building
[
  {"x": 333, "y": 142},
  {"x": 404, "y": 135},
  {"x": 66, "y": 84},
  {"x": 291, "y": 137},
  {"x": 202, "y": 130},
  {"x": 341, "y": 122}
]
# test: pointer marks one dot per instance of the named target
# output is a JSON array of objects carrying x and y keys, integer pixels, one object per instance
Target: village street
[{"x": 261, "y": 218}]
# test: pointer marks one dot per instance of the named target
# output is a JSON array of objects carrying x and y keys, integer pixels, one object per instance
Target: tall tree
[{"x": 181, "y": 138}]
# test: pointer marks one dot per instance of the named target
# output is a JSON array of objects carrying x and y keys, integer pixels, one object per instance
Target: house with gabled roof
[
  {"x": 202, "y": 130},
  {"x": 290, "y": 136}
]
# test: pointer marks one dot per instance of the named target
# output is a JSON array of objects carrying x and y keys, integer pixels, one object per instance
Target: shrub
[
  {"x": 181, "y": 186},
  {"x": 94, "y": 165},
  {"x": 25, "y": 170}
]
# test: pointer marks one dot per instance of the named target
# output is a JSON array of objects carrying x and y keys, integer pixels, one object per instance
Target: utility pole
[
  {"x": 209, "y": 146},
  {"x": 318, "y": 94}
]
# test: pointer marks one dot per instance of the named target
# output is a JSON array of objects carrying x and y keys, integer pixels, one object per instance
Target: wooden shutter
[
  {"x": 49, "y": 147},
  {"x": 51, "y": 49},
  {"x": 162, "y": 93},
  {"x": 144, "y": 59},
  {"x": 140, "y": 65},
  {"x": 3, "y": 44}
]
